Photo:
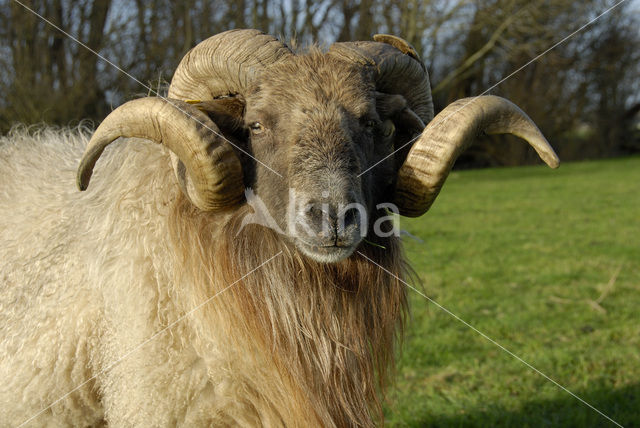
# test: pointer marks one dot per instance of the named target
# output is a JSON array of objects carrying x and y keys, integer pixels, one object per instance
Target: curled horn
[
  {"x": 215, "y": 171},
  {"x": 398, "y": 69},
  {"x": 206, "y": 166},
  {"x": 433, "y": 154},
  {"x": 427, "y": 164},
  {"x": 221, "y": 66},
  {"x": 225, "y": 64}
]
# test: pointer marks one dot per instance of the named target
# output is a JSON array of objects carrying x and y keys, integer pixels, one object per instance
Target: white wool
[
  {"x": 98, "y": 327},
  {"x": 82, "y": 284}
]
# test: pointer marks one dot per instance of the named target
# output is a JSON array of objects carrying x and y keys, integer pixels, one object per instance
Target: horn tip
[
  {"x": 82, "y": 186},
  {"x": 82, "y": 179},
  {"x": 552, "y": 160}
]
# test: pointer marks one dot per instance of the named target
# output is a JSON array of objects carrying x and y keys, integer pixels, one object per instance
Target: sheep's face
[
  {"x": 313, "y": 135},
  {"x": 314, "y": 121}
]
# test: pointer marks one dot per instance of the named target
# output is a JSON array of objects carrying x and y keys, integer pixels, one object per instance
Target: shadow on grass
[{"x": 622, "y": 405}]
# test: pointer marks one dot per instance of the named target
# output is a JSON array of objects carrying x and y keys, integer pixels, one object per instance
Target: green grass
[{"x": 546, "y": 263}]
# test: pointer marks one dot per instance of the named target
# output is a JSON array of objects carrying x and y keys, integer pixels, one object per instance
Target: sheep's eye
[
  {"x": 256, "y": 127},
  {"x": 387, "y": 128}
]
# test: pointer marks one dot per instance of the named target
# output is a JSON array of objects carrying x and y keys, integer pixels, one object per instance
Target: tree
[
  {"x": 581, "y": 93},
  {"x": 45, "y": 65}
]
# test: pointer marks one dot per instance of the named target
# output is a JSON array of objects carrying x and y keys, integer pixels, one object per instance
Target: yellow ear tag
[
  {"x": 398, "y": 43},
  {"x": 195, "y": 103}
]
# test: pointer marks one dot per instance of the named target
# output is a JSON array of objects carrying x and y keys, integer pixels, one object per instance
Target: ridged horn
[
  {"x": 433, "y": 154},
  {"x": 398, "y": 69},
  {"x": 222, "y": 65},
  {"x": 209, "y": 160},
  {"x": 225, "y": 64}
]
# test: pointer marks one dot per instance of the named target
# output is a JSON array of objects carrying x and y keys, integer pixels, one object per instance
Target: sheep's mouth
[{"x": 325, "y": 253}]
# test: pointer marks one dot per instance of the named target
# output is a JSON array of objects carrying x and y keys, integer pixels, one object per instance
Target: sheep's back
[{"x": 59, "y": 249}]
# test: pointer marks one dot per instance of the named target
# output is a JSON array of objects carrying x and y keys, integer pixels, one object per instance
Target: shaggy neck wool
[{"x": 322, "y": 335}]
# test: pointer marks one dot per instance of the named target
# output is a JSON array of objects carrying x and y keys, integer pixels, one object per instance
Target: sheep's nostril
[
  {"x": 320, "y": 222},
  {"x": 351, "y": 217},
  {"x": 349, "y": 224},
  {"x": 315, "y": 213},
  {"x": 332, "y": 223}
]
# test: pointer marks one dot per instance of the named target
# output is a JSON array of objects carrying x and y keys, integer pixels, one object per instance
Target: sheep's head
[
  {"x": 323, "y": 139},
  {"x": 316, "y": 124}
]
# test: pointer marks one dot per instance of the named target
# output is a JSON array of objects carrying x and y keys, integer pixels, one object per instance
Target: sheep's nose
[{"x": 330, "y": 224}]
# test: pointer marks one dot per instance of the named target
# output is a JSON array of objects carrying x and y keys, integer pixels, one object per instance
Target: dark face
[{"x": 314, "y": 129}]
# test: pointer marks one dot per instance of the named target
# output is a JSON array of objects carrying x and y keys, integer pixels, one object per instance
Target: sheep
[{"x": 149, "y": 300}]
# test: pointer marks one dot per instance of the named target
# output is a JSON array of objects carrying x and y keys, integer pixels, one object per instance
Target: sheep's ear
[
  {"x": 227, "y": 113},
  {"x": 406, "y": 123}
]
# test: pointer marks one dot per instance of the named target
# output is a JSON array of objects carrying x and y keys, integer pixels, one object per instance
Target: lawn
[{"x": 547, "y": 264}]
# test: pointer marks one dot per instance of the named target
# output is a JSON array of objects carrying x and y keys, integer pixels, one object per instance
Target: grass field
[{"x": 547, "y": 264}]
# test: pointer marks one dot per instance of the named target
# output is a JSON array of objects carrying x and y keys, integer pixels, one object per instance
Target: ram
[{"x": 241, "y": 271}]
